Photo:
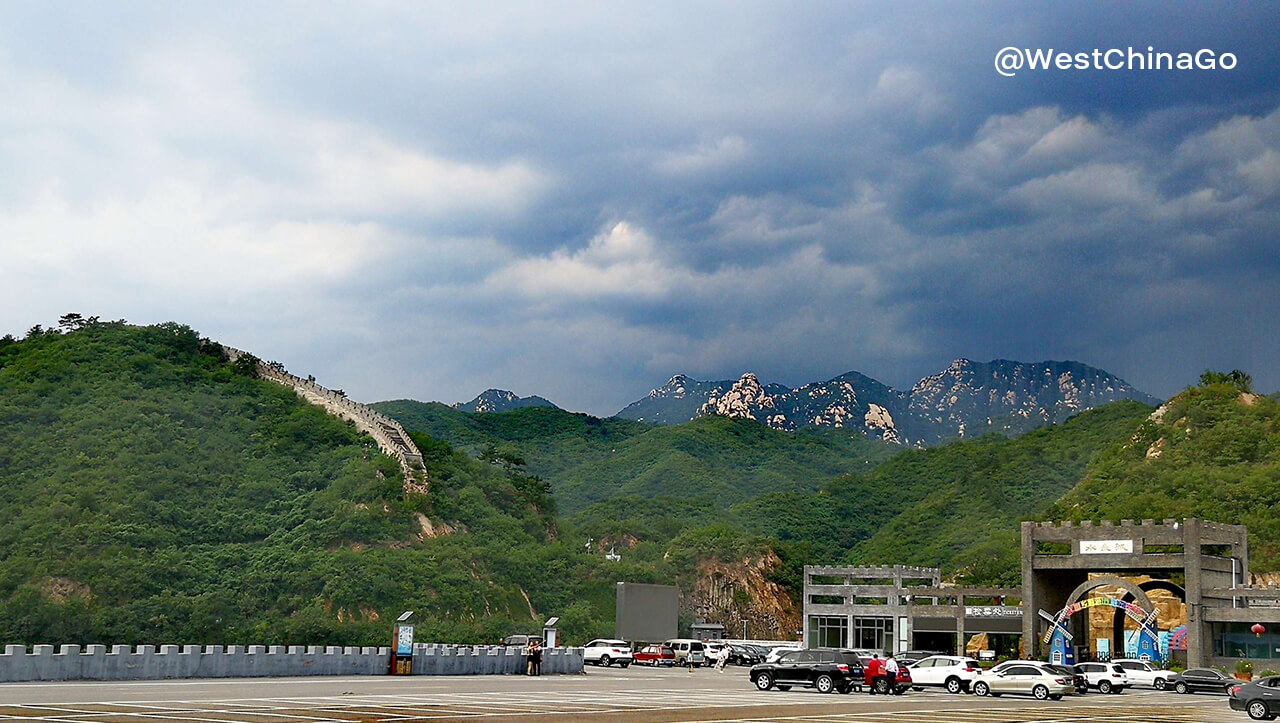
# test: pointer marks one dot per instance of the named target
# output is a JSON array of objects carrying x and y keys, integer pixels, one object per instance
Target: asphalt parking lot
[{"x": 602, "y": 694}]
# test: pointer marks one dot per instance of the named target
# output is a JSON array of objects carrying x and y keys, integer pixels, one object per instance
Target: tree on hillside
[
  {"x": 1235, "y": 378},
  {"x": 247, "y": 364}
]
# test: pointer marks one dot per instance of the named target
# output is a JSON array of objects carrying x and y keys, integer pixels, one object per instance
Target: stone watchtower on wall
[
  {"x": 387, "y": 432},
  {"x": 1062, "y": 563}
]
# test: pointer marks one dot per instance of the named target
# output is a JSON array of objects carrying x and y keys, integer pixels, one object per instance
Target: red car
[
  {"x": 655, "y": 655},
  {"x": 902, "y": 682}
]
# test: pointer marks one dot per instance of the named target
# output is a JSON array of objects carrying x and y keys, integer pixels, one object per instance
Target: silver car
[{"x": 1024, "y": 679}]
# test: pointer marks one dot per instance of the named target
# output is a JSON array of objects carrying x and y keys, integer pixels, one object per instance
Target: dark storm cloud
[{"x": 578, "y": 200}]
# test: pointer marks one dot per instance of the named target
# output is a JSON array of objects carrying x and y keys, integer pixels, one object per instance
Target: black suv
[{"x": 825, "y": 669}]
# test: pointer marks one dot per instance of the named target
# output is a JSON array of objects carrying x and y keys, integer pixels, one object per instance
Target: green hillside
[
  {"x": 975, "y": 493},
  {"x": 151, "y": 492},
  {"x": 1212, "y": 452},
  {"x": 588, "y": 460}
]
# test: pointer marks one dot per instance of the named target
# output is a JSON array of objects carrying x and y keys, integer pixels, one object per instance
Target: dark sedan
[
  {"x": 743, "y": 655},
  {"x": 824, "y": 669},
  {"x": 1195, "y": 680},
  {"x": 1260, "y": 699},
  {"x": 1077, "y": 678}
]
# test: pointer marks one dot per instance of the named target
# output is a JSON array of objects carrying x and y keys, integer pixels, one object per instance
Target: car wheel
[
  {"x": 1040, "y": 692},
  {"x": 824, "y": 684},
  {"x": 764, "y": 681},
  {"x": 1180, "y": 687},
  {"x": 1104, "y": 686},
  {"x": 605, "y": 661},
  {"x": 1161, "y": 683},
  {"x": 1258, "y": 711},
  {"x": 953, "y": 685},
  {"x": 981, "y": 689}
]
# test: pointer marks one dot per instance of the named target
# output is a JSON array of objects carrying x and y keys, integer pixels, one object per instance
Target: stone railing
[
  {"x": 146, "y": 662},
  {"x": 387, "y": 432}
]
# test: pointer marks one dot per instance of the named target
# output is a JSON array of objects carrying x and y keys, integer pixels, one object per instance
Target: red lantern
[{"x": 1258, "y": 630}]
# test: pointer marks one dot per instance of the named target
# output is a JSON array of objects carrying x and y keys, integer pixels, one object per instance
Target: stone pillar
[
  {"x": 1197, "y": 629},
  {"x": 1030, "y": 597}
]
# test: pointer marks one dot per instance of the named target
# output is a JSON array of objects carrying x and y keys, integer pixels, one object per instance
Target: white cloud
[
  {"x": 719, "y": 154},
  {"x": 620, "y": 262}
]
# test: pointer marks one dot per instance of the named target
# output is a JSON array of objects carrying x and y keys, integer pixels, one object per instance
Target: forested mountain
[
  {"x": 150, "y": 491},
  {"x": 587, "y": 459},
  {"x": 1212, "y": 452},
  {"x": 153, "y": 491}
]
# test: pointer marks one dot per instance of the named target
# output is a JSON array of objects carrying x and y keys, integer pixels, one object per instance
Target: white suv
[
  {"x": 607, "y": 652},
  {"x": 1106, "y": 677},
  {"x": 1141, "y": 672},
  {"x": 953, "y": 672}
]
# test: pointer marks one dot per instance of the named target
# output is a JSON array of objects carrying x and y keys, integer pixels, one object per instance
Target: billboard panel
[{"x": 646, "y": 613}]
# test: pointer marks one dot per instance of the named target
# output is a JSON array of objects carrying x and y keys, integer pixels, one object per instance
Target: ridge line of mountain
[{"x": 966, "y": 399}]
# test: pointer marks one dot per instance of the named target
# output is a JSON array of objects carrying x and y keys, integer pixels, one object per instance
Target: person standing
[
  {"x": 537, "y": 657},
  {"x": 891, "y": 675},
  {"x": 873, "y": 671},
  {"x": 528, "y": 655}
]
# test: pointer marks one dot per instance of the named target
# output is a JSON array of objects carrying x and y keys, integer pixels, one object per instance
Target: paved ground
[{"x": 610, "y": 694}]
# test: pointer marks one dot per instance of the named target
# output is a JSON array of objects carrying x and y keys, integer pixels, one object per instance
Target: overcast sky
[{"x": 578, "y": 200}]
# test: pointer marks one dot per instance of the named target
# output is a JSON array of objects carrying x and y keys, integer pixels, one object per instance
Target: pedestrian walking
[
  {"x": 891, "y": 675},
  {"x": 721, "y": 658},
  {"x": 872, "y": 672}
]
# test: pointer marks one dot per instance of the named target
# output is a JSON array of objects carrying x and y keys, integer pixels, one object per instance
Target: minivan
[{"x": 688, "y": 651}]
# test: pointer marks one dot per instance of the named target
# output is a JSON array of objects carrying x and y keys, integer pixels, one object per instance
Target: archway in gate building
[
  {"x": 1166, "y": 623},
  {"x": 1067, "y": 632}
]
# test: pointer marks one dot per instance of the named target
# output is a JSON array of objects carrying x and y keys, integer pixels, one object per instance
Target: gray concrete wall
[
  {"x": 146, "y": 662},
  {"x": 490, "y": 660}
]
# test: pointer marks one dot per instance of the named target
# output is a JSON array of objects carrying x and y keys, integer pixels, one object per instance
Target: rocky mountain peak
[
  {"x": 500, "y": 400},
  {"x": 743, "y": 399},
  {"x": 966, "y": 399}
]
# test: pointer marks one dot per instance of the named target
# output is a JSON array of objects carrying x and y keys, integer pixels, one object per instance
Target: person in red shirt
[{"x": 872, "y": 672}]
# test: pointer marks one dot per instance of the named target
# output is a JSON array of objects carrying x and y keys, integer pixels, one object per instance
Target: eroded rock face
[
  {"x": 746, "y": 398},
  {"x": 728, "y": 593}
]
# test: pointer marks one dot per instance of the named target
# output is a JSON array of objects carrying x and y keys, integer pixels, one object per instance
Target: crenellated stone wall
[{"x": 387, "y": 432}]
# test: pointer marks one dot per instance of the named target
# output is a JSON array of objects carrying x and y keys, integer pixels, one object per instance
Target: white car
[
  {"x": 606, "y": 652},
  {"x": 1025, "y": 678},
  {"x": 711, "y": 649},
  {"x": 1106, "y": 677},
  {"x": 776, "y": 653},
  {"x": 1141, "y": 672},
  {"x": 952, "y": 672}
]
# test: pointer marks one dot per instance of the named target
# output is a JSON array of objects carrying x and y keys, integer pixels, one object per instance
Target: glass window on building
[
  {"x": 828, "y": 631},
  {"x": 1236, "y": 640},
  {"x": 873, "y": 633}
]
